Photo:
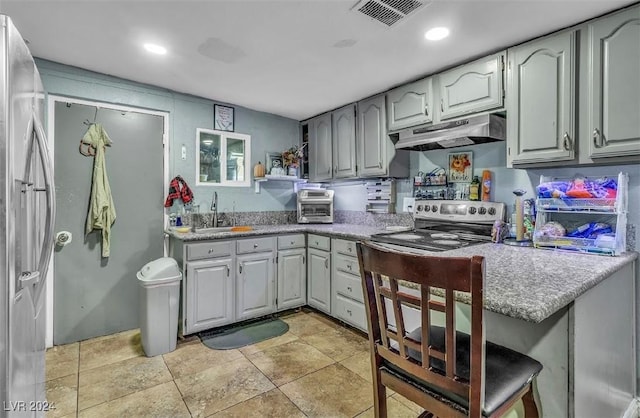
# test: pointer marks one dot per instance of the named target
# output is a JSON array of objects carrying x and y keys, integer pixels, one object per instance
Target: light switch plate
[
  {"x": 407, "y": 204},
  {"x": 184, "y": 152}
]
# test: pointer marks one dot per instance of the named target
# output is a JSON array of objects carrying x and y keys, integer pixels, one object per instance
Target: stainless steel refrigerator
[{"x": 27, "y": 211}]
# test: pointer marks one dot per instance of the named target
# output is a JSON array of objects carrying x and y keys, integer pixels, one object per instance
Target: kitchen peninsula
[{"x": 572, "y": 312}]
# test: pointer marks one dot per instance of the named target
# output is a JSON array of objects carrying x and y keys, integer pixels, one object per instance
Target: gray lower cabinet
[
  {"x": 208, "y": 300},
  {"x": 255, "y": 279},
  {"x": 614, "y": 85},
  {"x": 319, "y": 273},
  {"x": 347, "y": 302},
  {"x": 410, "y": 105},
  {"x": 541, "y": 100},
  {"x": 292, "y": 272},
  {"x": 471, "y": 88}
]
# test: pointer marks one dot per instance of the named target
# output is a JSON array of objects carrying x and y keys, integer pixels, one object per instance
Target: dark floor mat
[{"x": 244, "y": 334}]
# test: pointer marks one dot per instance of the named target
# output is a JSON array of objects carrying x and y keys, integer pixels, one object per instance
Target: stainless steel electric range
[{"x": 441, "y": 225}]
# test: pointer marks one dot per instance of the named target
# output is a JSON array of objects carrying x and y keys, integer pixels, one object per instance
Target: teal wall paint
[{"x": 269, "y": 133}]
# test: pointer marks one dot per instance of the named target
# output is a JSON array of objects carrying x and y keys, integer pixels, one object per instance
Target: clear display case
[{"x": 584, "y": 214}]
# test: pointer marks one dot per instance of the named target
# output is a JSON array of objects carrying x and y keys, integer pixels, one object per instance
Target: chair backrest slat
[{"x": 383, "y": 272}]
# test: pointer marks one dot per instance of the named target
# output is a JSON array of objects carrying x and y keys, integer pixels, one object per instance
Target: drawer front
[
  {"x": 347, "y": 264},
  {"x": 254, "y": 245},
  {"x": 345, "y": 247},
  {"x": 352, "y": 312},
  {"x": 320, "y": 242},
  {"x": 291, "y": 241},
  {"x": 209, "y": 250},
  {"x": 348, "y": 285}
]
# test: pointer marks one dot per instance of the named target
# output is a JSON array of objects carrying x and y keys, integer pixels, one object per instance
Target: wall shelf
[{"x": 292, "y": 179}]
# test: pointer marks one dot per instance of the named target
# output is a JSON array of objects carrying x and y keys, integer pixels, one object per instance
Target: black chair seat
[{"x": 506, "y": 371}]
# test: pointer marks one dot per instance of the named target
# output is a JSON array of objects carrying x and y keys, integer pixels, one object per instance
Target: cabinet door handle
[
  {"x": 566, "y": 141},
  {"x": 326, "y": 263},
  {"x": 596, "y": 135},
  {"x": 442, "y": 105},
  {"x": 426, "y": 110},
  {"x": 228, "y": 270},
  {"x": 303, "y": 259},
  {"x": 329, "y": 170},
  {"x": 379, "y": 164},
  {"x": 240, "y": 268}
]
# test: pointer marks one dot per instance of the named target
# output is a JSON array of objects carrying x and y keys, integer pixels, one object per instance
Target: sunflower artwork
[{"x": 460, "y": 167}]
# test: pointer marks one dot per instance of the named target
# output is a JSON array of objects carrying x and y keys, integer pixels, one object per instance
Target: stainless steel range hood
[{"x": 459, "y": 133}]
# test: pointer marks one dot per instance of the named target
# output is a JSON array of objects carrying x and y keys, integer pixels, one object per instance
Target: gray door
[{"x": 93, "y": 295}]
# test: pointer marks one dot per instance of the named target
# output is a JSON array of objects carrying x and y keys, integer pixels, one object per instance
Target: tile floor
[{"x": 319, "y": 368}]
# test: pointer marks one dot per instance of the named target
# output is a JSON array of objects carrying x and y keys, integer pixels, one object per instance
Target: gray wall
[{"x": 187, "y": 113}]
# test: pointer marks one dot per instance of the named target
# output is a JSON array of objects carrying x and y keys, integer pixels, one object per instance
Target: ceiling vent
[{"x": 389, "y": 12}]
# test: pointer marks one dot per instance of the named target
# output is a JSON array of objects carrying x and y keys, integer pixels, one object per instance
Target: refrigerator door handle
[{"x": 48, "y": 242}]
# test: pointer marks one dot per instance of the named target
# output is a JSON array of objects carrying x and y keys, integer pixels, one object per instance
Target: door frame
[{"x": 51, "y": 105}]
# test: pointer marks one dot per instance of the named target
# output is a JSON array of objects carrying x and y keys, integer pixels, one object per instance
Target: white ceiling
[{"x": 279, "y": 56}]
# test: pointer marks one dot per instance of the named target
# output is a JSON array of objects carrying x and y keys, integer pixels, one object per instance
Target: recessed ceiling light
[
  {"x": 155, "y": 49},
  {"x": 436, "y": 34}
]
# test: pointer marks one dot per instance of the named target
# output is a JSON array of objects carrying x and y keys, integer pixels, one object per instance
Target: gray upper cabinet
[
  {"x": 410, "y": 105},
  {"x": 541, "y": 100},
  {"x": 320, "y": 152},
  {"x": 372, "y": 137},
  {"x": 344, "y": 142},
  {"x": 614, "y": 85},
  {"x": 471, "y": 88}
]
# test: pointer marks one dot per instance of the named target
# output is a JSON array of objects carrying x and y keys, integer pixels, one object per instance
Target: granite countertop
[{"x": 524, "y": 283}]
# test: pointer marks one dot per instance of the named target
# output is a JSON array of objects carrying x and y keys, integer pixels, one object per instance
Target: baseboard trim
[{"x": 632, "y": 410}]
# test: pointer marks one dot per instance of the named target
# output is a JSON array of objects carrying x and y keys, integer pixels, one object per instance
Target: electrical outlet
[
  {"x": 407, "y": 204},
  {"x": 184, "y": 152}
]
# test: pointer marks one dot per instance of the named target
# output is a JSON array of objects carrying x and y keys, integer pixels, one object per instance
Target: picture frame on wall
[
  {"x": 223, "y": 118},
  {"x": 274, "y": 165},
  {"x": 461, "y": 167}
]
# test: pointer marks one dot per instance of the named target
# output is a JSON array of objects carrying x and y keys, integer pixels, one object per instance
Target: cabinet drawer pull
[
  {"x": 566, "y": 141},
  {"x": 350, "y": 249},
  {"x": 349, "y": 266},
  {"x": 349, "y": 312},
  {"x": 292, "y": 242},
  {"x": 596, "y": 134},
  {"x": 317, "y": 243},
  {"x": 349, "y": 289},
  {"x": 211, "y": 250}
]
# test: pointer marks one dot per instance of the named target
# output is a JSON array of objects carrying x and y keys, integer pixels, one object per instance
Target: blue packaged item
[{"x": 591, "y": 230}]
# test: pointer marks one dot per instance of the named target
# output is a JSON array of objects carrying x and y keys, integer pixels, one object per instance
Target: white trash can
[{"x": 159, "y": 302}]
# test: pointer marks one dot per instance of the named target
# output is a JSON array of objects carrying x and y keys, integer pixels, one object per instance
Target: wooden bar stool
[{"x": 465, "y": 375}]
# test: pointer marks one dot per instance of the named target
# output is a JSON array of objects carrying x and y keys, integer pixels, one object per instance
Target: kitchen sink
[{"x": 213, "y": 230}]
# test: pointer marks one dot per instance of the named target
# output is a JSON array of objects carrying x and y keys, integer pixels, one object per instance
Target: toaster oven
[{"x": 315, "y": 206}]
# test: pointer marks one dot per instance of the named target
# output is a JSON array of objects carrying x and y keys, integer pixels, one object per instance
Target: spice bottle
[
  {"x": 474, "y": 189},
  {"x": 486, "y": 185}
]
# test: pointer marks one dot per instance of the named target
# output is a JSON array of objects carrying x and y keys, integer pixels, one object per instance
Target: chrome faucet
[{"x": 214, "y": 209}]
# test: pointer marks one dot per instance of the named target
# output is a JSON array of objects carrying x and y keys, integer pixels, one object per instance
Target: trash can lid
[{"x": 162, "y": 270}]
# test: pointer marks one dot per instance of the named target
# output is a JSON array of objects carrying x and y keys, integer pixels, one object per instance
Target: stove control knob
[
  {"x": 472, "y": 210},
  {"x": 492, "y": 211},
  {"x": 419, "y": 208},
  {"x": 427, "y": 208},
  {"x": 434, "y": 208},
  {"x": 482, "y": 210}
]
